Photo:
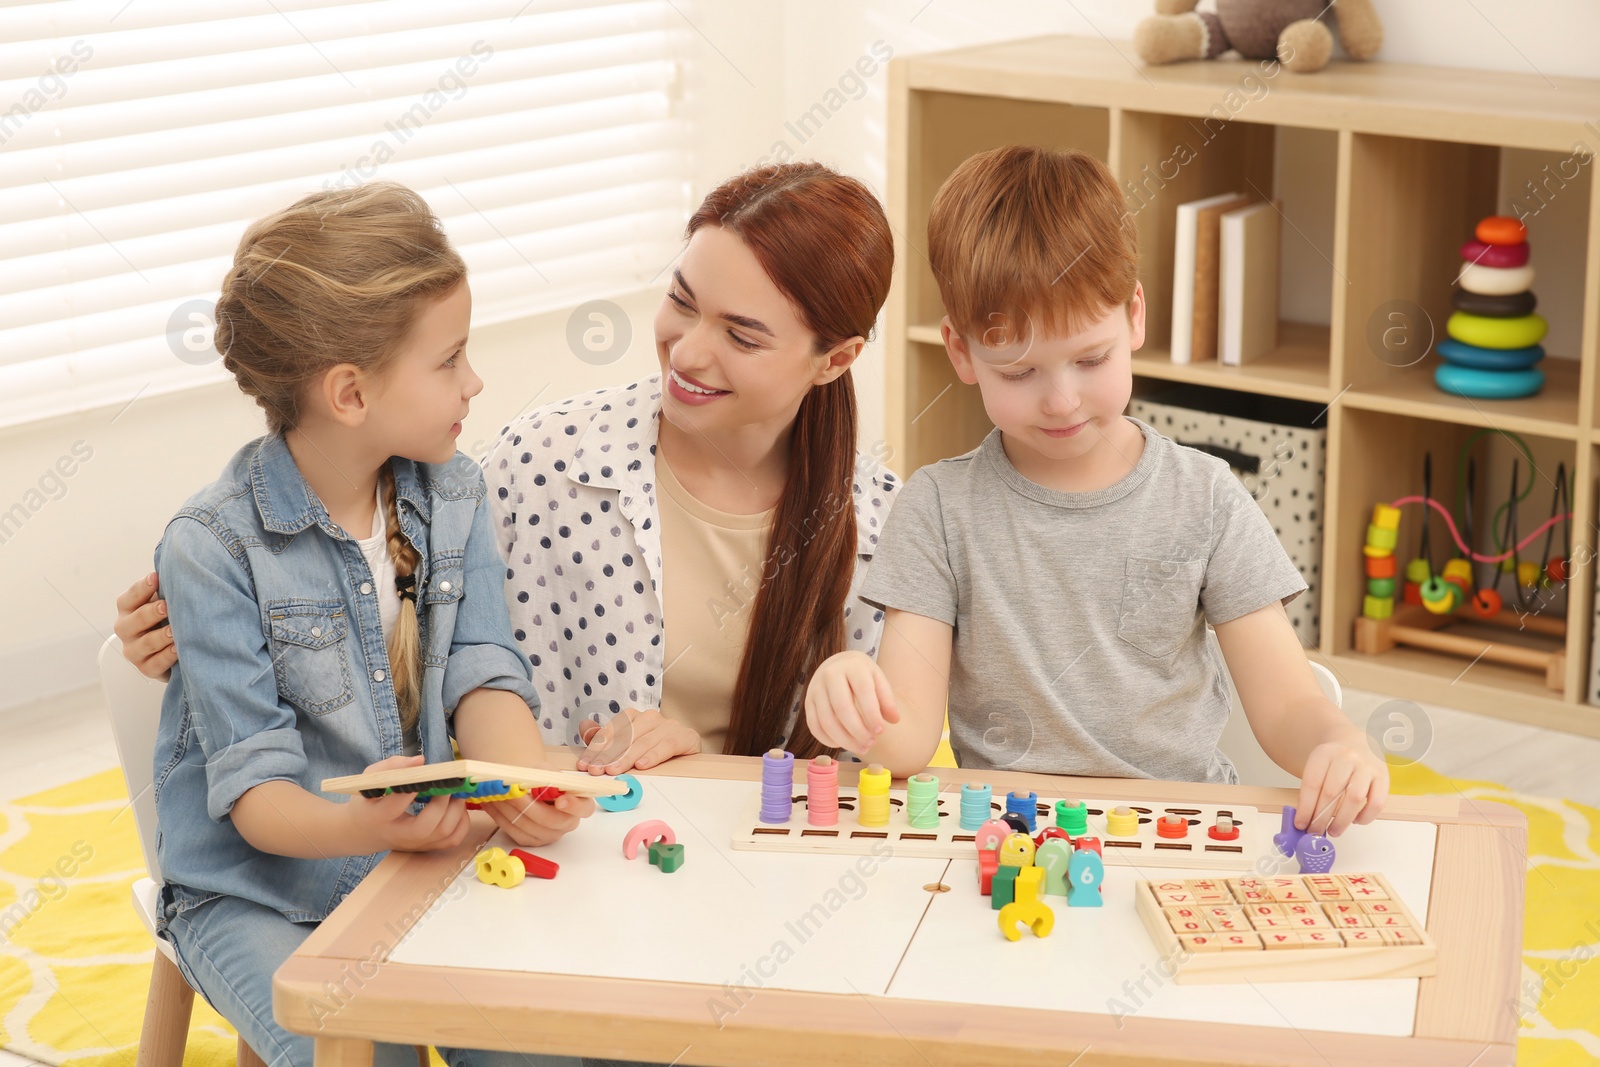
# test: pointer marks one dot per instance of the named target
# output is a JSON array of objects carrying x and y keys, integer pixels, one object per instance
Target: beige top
[{"x": 709, "y": 591}]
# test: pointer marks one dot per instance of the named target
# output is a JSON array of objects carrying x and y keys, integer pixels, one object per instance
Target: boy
[{"x": 1053, "y": 585}]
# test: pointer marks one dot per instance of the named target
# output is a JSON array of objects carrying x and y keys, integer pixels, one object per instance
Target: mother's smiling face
[{"x": 733, "y": 349}]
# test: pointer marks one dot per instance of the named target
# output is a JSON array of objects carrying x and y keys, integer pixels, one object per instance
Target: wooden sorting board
[
  {"x": 1284, "y": 928},
  {"x": 577, "y": 782},
  {"x": 949, "y": 841}
]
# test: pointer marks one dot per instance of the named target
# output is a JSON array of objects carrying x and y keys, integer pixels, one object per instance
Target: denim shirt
[{"x": 284, "y": 673}]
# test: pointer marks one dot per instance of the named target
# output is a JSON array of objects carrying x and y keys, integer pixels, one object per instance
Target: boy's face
[{"x": 1057, "y": 396}]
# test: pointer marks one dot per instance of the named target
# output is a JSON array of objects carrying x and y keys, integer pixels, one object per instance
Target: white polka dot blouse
[{"x": 572, "y": 485}]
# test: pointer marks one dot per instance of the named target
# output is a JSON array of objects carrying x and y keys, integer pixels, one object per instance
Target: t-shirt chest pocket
[
  {"x": 1159, "y": 601},
  {"x": 309, "y": 659}
]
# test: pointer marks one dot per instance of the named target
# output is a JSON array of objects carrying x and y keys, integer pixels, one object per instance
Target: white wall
[{"x": 758, "y": 67}]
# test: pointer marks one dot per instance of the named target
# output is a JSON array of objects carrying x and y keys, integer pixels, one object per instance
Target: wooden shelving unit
[{"x": 1418, "y": 155}]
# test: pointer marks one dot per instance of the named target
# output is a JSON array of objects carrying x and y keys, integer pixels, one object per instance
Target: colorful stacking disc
[
  {"x": 1465, "y": 355},
  {"x": 1488, "y": 384},
  {"x": 1495, "y": 255},
  {"x": 1486, "y": 332},
  {"x": 1500, "y": 230},
  {"x": 1495, "y": 281},
  {"x": 1506, "y": 306}
]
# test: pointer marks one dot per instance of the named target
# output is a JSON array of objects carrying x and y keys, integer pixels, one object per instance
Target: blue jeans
[{"x": 228, "y": 949}]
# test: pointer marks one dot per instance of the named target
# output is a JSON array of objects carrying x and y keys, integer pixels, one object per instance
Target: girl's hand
[
  {"x": 142, "y": 625},
  {"x": 531, "y": 823},
  {"x": 442, "y": 823},
  {"x": 1344, "y": 782},
  {"x": 849, "y": 701},
  {"x": 655, "y": 739}
]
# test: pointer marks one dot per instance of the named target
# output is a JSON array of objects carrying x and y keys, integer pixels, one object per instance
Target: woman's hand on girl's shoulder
[
  {"x": 442, "y": 823},
  {"x": 640, "y": 739},
  {"x": 142, "y": 625}
]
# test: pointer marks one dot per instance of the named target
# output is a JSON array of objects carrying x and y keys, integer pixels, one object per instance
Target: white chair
[
  {"x": 1239, "y": 743},
  {"x": 135, "y": 705}
]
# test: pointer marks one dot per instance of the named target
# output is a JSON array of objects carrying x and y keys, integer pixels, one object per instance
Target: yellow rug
[{"x": 75, "y": 962}]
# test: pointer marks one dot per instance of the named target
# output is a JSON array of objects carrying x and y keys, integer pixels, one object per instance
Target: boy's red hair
[{"x": 1026, "y": 239}]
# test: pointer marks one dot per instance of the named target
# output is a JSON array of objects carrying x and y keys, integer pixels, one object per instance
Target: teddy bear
[{"x": 1291, "y": 30}]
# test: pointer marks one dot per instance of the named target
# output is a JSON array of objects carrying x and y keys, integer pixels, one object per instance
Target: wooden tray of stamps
[{"x": 1287, "y": 928}]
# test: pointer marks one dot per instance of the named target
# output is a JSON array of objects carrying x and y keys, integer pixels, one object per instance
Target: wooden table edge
[{"x": 563, "y": 1015}]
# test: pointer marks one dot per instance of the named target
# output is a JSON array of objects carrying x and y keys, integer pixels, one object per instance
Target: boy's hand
[
  {"x": 650, "y": 738},
  {"x": 531, "y": 823},
  {"x": 849, "y": 701},
  {"x": 442, "y": 823},
  {"x": 1343, "y": 783}
]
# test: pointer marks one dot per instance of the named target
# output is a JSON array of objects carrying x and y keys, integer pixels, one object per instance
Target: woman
[{"x": 725, "y": 494}]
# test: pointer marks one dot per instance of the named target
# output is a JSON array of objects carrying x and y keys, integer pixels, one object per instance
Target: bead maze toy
[
  {"x": 1431, "y": 603},
  {"x": 921, "y": 821},
  {"x": 478, "y": 781},
  {"x": 1290, "y": 928}
]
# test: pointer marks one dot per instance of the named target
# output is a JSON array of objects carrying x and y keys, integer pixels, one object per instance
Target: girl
[
  {"x": 338, "y": 599},
  {"x": 725, "y": 494}
]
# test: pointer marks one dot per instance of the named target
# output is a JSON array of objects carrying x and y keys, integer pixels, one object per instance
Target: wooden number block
[
  {"x": 1352, "y": 922},
  {"x": 1402, "y": 935},
  {"x": 1286, "y": 889},
  {"x": 1029, "y": 886},
  {"x": 1361, "y": 938},
  {"x": 1244, "y": 883},
  {"x": 1223, "y": 911},
  {"x": 1389, "y": 922},
  {"x": 1381, "y": 907},
  {"x": 1336, "y": 910},
  {"x": 1270, "y": 922},
  {"x": 1309, "y": 922},
  {"x": 1264, "y": 911},
  {"x": 1326, "y": 887},
  {"x": 1298, "y": 912},
  {"x": 1210, "y": 891},
  {"x": 1320, "y": 939},
  {"x": 1363, "y": 887},
  {"x": 1280, "y": 939},
  {"x": 1173, "y": 897},
  {"x": 1200, "y": 942},
  {"x": 1237, "y": 942},
  {"x": 1186, "y": 921}
]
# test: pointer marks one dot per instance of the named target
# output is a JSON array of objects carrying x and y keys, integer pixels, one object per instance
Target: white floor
[{"x": 61, "y": 739}]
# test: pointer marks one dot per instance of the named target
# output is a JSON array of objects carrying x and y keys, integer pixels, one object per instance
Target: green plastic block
[
  {"x": 1003, "y": 887},
  {"x": 668, "y": 857}
]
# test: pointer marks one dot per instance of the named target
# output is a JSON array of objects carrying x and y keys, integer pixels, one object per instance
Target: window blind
[{"x": 137, "y": 140}]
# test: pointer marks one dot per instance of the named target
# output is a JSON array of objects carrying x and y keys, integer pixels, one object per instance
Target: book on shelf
[
  {"x": 1247, "y": 298},
  {"x": 1194, "y": 276}
]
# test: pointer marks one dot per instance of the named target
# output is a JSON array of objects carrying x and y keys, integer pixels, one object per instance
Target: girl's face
[
  {"x": 418, "y": 402},
  {"x": 733, "y": 350}
]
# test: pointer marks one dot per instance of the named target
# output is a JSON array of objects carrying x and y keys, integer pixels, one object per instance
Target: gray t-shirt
[{"x": 1080, "y": 638}]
